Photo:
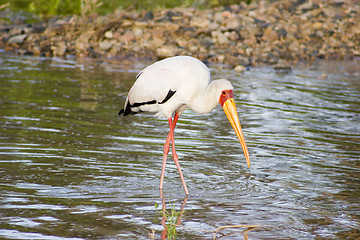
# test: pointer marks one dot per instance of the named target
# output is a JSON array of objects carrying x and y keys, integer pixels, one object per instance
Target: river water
[{"x": 72, "y": 169}]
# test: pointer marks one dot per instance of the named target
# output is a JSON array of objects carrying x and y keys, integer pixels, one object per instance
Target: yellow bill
[{"x": 231, "y": 113}]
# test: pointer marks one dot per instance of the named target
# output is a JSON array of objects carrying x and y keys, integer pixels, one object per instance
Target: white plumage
[
  {"x": 171, "y": 86},
  {"x": 187, "y": 76}
]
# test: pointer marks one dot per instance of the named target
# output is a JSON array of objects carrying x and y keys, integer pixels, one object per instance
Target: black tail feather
[
  {"x": 121, "y": 112},
  {"x": 126, "y": 111}
]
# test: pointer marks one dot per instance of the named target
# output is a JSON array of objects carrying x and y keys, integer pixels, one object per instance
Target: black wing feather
[{"x": 128, "y": 106}]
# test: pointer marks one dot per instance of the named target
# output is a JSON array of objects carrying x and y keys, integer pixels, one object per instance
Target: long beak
[{"x": 231, "y": 113}]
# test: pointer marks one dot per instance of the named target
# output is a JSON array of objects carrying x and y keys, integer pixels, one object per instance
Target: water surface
[{"x": 72, "y": 169}]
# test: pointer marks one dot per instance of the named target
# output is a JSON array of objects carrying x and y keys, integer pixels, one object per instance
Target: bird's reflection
[
  {"x": 170, "y": 225},
  {"x": 172, "y": 219}
]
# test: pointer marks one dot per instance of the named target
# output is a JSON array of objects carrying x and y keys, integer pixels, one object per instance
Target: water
[{"x": 72, "y": 169}]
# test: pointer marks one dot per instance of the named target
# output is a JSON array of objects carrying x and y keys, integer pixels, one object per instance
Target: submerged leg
[
  {"x": 167, "y": 149},
  {"x": 175, "y": 156}
]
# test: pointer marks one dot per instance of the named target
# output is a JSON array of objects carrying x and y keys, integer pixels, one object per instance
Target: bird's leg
[
  {"x": 168, "y": 139},
  {"x": 166, "y": 151},
  {"x": 175, "y": 156}
]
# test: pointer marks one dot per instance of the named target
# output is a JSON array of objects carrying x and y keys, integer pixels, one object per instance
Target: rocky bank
[{"x": 265, "y": 32}]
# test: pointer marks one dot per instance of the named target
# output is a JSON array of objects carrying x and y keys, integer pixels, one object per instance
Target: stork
[{"x": 170, "y": 86}]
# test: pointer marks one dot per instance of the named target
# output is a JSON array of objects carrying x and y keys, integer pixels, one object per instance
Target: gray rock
[{"x": 18, "y": 39}]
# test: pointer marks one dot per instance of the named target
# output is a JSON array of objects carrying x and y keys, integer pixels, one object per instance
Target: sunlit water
[{"x": 72, "y": 169}]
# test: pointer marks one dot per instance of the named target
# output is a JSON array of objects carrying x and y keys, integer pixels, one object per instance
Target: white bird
[{"x": 171, "y": 86}]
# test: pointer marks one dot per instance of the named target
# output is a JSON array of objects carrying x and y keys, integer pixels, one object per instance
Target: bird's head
[{"x": 226, "y": 100}]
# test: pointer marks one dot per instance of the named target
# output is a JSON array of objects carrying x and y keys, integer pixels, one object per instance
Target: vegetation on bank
[{"x": 65, "y": 7}]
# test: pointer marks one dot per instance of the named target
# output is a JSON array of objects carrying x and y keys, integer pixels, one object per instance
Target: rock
[
  {"x": 60, "y": 22},
  {"x": 109, "y": 34},
  {"x": 323, "y": 76},
  {"x": 270, "y": 34},
  {"x": 199, "y": 22},
  {"x": 250, "y": 40},
  {"x": 138, "y": 33},
  {"x": 36, "y": 51},
  {"x": 59, "y": 50},
  {"x": 157, "y": 42},
  {"x": 220, "y": 37},
  {"x": 149, "y": 16},
  {"x": 332, "y": 11},
  {"x": 105, "y": 45},
  {"x": 282, "y": 66},
  {"x": 226, "y": 14},
  {"x": 242, "y": 60},
  {"x": 233, "y": 23},
  {"x": 233, "y": 35},
  {"x": 18, "y": 39},
  {"x": 166, "y": 51},
  {"x": 213, "y": 26},
  {"x": 127, "y": 37},
  {"x": 206, "y": 42},
  {"x": 282, "y": 32},
  {"x": 80, "y": 46},
  {"x": 239, "y": 68}
]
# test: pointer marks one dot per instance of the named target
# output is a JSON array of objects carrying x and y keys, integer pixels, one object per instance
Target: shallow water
[{"x": 72, "y": 169}]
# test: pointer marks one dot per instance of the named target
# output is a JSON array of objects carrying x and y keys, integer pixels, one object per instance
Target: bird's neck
[{"x": 208, "y": 100}]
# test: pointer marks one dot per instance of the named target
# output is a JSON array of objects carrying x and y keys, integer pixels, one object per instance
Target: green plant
[
  {"x": 46, "y": 8},
  {"x": 172, "y": 221},
  {"x": 88, "y": 7}
]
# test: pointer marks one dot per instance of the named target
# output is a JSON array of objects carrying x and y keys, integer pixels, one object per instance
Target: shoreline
[{"x": 280, "y": 33}]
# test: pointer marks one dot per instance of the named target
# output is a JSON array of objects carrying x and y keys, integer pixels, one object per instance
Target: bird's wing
[
  {"x": 174, "y": 81},
  {"x": 153, "y": 86}
]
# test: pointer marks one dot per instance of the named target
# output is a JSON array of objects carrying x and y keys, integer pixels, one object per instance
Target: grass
[
  {"x": 171, "y": 220},
  {"x": 48, "y": 8}
]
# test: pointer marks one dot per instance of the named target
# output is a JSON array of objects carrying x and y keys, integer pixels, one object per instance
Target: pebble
[
  {"x": 17, "y": 39},
  {"x": 105, "y": 45},
  {"x": 109, "y": 34},
  {"x": 240, "y": 68}
]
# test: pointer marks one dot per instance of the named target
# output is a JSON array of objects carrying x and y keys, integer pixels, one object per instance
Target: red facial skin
[{"x": 225, "y": 95}]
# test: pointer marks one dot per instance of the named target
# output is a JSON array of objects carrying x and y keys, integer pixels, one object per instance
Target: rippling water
[{"x": 72, "y": 169}]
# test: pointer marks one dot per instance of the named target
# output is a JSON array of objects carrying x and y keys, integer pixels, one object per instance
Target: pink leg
[
  {"x": 170, "y": 138},
  {"x": 175, "y": 156},
  {"x": 166, "y": 152}
]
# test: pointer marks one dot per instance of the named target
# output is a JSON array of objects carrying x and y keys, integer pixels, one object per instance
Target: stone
[
  {"x": 138, "y": 33},
  {"x": 282, "y": 66},
  {"x": 59, "y": 50},
  {"x": 240, "y": 68},
  {"x": 220, "y": 37},
  {"x": 233, "y": 36},
  {"x": 199, "y": 22},
  {"x": 233, "y": 23},
  {"x": 80, "y": 46},
  {"x": 105, "y": 45},
  {"x": 270, "y": 34},
  {"x": 149, "y": 16},
  {"x": 109, "y": 35},
  {"x": 166, "y": 51},
  {"x": 127, "y": 37},
  {"x": 157, "y": 42},
  {"x": 206, "y": 42},
  {"x": 242, "y": 60},
  {"x": 323, "y": 76},
  {"x": 18, "y": 39}
]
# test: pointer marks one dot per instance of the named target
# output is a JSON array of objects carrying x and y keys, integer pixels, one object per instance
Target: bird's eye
[{"x": 223, "y": 93}]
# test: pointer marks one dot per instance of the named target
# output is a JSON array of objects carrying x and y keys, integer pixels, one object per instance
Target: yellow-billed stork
[{"x": 171, "y": 86}]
